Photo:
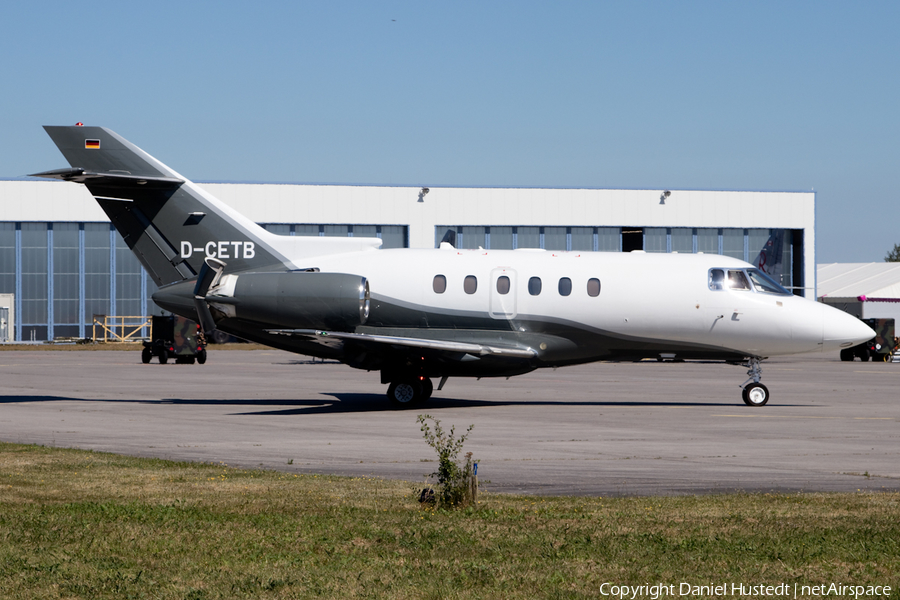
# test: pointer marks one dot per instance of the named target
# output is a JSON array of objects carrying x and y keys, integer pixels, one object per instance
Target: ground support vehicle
[
  {"x": 881, "y": 347},
  {"x": 177, "y": 338}
]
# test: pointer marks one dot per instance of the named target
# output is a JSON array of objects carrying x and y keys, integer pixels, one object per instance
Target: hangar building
[
  {"x": 866, "y": 290},
  {"x": 61, "y": 262}
]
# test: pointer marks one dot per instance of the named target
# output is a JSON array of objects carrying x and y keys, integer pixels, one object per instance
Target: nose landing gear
[{"x": 754, "y": 394}]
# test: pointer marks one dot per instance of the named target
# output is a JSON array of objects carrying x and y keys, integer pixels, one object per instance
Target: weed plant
[{"x": 457, "y": 486}]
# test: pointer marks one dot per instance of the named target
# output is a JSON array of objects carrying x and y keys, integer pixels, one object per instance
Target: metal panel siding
[
  {"x": 59, "y": 201},
  {"x": 48, "y": 201},
  {"x": 503, "y": 206}
]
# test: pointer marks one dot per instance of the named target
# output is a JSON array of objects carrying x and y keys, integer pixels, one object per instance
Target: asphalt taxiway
[{"x": 601, "y": 429}]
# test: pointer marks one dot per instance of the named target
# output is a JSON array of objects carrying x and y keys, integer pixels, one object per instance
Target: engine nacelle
[{"x": 296, "y": 300}]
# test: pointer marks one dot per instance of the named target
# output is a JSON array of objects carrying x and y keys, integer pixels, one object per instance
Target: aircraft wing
[{"x": 337, "y": 339}]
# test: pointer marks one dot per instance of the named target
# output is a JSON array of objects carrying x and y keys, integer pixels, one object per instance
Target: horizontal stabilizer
[{"x": 79, "y": 175}]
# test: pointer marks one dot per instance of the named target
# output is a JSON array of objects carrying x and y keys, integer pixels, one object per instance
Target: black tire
[
  {"x": 864, "y": 355},
  {"x": 847, "y": 355},
  {"x": 146, "y": 355},
  {"x": 427, "y": 389},
  {"x": 201, "y": 357},
  {"x": 405, "y": 392},
  {"x": 189, "y": 360},
  {"x": 755, "y": 394},
  {"x": 163, "y": 356}
]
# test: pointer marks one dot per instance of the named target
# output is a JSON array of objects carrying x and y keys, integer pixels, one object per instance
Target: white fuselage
[{"x": 653, "y": 297}]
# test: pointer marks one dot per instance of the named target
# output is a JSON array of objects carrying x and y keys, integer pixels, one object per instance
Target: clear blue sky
[{"x": 679, "y": 95}]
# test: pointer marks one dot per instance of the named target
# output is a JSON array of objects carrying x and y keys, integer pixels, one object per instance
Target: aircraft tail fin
[
  {"x": 449, "y": 238},
  {"x": 99, "y": 150},
  {"x": 170, "y": 224}
]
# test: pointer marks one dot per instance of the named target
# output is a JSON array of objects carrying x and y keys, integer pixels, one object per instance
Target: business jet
[{"x": 420, "y": 314}]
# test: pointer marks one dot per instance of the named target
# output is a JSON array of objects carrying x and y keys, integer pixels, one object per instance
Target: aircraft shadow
[
  {"x": 12, "y": 399},
  {"x": 365, "y": 403},
  {"x": 359, "y": 403}
]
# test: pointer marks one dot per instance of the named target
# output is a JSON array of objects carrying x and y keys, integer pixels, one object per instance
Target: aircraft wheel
[
  {"x": 755, "y": 394},
  {"x": 404, "y": 392},
  {"x": 847, "y": 355},
  {"x": 163, "y": 356},
  {"x": 427, "y": 388},
  {"x": 146, "y": 355},
  {"x": 201, "y": 357}
]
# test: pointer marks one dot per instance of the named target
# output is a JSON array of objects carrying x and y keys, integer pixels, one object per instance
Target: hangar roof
[{"x": 863, "y": 281}]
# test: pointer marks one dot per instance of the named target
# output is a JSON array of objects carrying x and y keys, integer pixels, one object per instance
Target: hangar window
[
  {"x": 716, "y": 279},
  {"x": 534, "y": 286},
  {"x": 439, "y": 284},
  {"x": 565, "y": 286},
  {"x": 503, "y": 284},
  {"x": 593, "y": 287},
  {"x": 470, "y": 284}
]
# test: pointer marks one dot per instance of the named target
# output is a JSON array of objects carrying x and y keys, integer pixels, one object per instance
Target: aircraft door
[{"x": 503, "y": 293}]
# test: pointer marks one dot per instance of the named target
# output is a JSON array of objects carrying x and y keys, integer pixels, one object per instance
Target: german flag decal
[{"x": 92, "y": 144}]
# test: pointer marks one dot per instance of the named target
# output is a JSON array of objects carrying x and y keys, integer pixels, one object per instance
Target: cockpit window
[
  {"x": 763, "y": 283},
  {"x": 737, "y": 280}
]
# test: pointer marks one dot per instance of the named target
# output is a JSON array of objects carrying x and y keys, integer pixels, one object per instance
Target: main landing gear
[
  {"x": 410, "y": 390},
  {"x": 754, "y": 394}
]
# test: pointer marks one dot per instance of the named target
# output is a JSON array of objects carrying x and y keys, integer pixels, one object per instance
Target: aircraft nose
[{"x": 841, "y": 330}]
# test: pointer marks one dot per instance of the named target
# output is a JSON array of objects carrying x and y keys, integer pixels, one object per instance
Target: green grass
[{"x": 77, "y": 524}]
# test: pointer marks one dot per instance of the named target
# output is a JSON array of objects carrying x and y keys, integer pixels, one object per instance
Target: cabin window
[
  {"x": 593, "y": 287},
  {"x": 565, "y": 286},
  {"x": 716, "y": 279},
  {"x": 503, "y": 284},
  {"x": 470, "y": 284},
  {"x": 534, "y": 286},
  {"x": 737, "y": 280},
  {"x": 439, "y": 285}
]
